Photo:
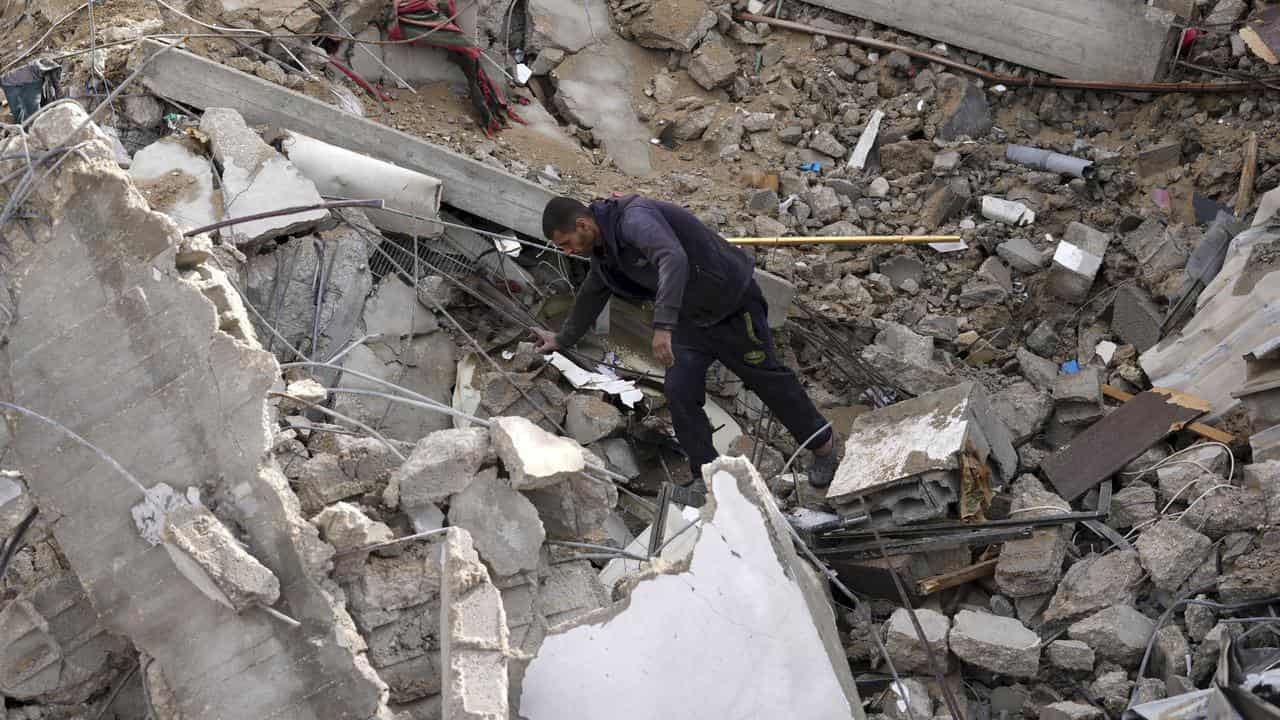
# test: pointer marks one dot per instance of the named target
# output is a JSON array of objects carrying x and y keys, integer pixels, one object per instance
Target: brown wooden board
[{"x": 1114, "y": 441}]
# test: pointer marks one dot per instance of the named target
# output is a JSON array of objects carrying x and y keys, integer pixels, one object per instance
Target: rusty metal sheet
[{"x": 1114, "y": 441}]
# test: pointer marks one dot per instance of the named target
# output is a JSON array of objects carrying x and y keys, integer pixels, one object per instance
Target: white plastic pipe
[
  {"x": 1006, "y": 211},
  {"x": 342, "y": 173}
]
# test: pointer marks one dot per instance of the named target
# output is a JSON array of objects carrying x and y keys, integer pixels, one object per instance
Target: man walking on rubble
[{"x": 706, "y": 307}]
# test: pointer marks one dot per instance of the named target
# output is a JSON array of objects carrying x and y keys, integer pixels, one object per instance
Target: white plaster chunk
[
  {"x": 742, "y": 629},
  {"x": 533, "y": 457}
]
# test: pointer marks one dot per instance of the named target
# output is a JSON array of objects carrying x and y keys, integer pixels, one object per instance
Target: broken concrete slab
[
  {"x": 1118, "y": 633},
  {"x": 1094, "y": 583},
  {"x": 593, "y": 89},
  {"x": 281, "y": 285},
  {"x": 474, "y": 639},
  {"x": 565, "y": 25},
  {"x": 256, "y": 179},
  {"x": 504, "y": 525},
  {"x": 1001, "y": 645},
  {"x": 533, "y": 457},
  {"x": 902, "y": 443},
  {"x": 743, "y": 542},
  {"x": 211, "y": 558},
  {"x": 395, "y": 310},
  {"x": 1032, "y": 566},
  {"x": 441, "y": 465},
  {"x": 177, "y": 180},
  {"x": 169, "y": 375},
  {"x": 354, "y": 467},
  {"x": 669, "y": 24},
  {"x": 426, "y": 365},
  {"x": 714, "y": 63},
  {"x": 908, "y": 652},
  {"x": 1171, "y": 552}
]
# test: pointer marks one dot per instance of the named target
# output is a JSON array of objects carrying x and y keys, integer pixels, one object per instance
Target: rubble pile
[{"x": 276, "y": 445}]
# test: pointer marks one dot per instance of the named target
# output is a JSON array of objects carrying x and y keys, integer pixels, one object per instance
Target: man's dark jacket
[{"x": 660, "y": 252}]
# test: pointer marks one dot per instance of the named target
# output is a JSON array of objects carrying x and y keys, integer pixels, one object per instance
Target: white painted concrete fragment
[
  {"x": 740, "y": 631},
  {"x": 1077, "y": 260},
  {"x": 177, "y": 182},
  {"x": 1007, "y": 211}
]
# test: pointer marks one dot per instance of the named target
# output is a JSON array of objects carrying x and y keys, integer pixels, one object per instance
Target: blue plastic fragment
[
  {"x": 1071, "y": 367},
  {"x": 812, "y": 166}
]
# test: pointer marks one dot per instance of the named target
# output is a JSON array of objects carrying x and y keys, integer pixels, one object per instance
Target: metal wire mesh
[{"x": 423, "y": 256}]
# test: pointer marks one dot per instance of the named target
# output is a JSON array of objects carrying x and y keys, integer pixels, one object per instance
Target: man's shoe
[
  {"x": 692, "y": 495},
  {"x": 823, "y": 469}
]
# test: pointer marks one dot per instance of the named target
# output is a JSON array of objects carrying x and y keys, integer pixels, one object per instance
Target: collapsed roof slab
[
  {"x": 470, "y": 185},
  {"x": 1115, "y": 40},
  {"x": 897, "y": 444},
  {"x": 741, "y": 628},
  {"x": 111, "y": 340}
]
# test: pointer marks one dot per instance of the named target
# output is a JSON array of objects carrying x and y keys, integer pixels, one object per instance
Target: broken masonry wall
[
  {"x": 739, "y": 629},
  {"x": 111, "y": 340}
]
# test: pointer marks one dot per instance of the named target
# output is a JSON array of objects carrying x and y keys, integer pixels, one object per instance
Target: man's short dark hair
[{"x": 561, "y": 214}]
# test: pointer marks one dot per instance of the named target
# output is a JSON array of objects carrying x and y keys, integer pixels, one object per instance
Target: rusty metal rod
[
  {"x": 1010, "y": 80},
  {"x": 330, "y": 205}
]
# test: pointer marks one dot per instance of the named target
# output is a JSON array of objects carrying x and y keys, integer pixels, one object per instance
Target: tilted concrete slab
[
  {"x": 742, "y": 628},
  {"x": 112, "y": 341}
]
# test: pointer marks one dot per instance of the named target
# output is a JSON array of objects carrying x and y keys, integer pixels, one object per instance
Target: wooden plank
[
  {"x": 1248, "y": 171},
  {"x": 1119, "y": 40},
  {"x": 1207, "y": 432},
  {"x": 938, "y": 583},
  {"x": 469, "y": 185},
  {"x": 1111, "y": 443}
]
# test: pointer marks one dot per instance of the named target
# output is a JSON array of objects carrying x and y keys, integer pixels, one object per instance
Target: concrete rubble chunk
[
  {"x": 743, "y": 575},
  {"x": 1076, "y": 262},
  {"x": 1070, "y": 711},
  {"x": 257, "y": 179},
  {"x": 904, "y": 646},
  {"x": 1071, "y": 655},
  {"x": 1171, "y": 552},
  {"x": 210, "y": 557},
  {"x": 1021, "y": 255},
  {"x": 1094, "y": 583},
  {"x": 672, "y": 25},
  {"x": 589, "y": 419},
  {"x": 1023, "y": 409},
  {"x": 346, "y": 527},
  {"x": 504, "y": 525},
  {"x": 575, "y": 509},
  {"x": 1118, "y": 633},
  {"x": 53, "y": 649},
  {"x": 427, "y": 365},
  {"x": 394, "y": 310},
  {"x": 1032, "y": 566},
  {"x": 357, "y": 466},
  {"x": 562, "y": 25},
  {"x": 1136, "y": 319},
  {"x": 442, "y": 464},
  {"x": 1041, "y": 372},
  {"x": 907, "y": 699},
  {"x": 714, "y": 63},
  {"x": 181, "y": 402},
  {"x": 474, "y": 638},
  {"x": 1168, "y": 659},
  {"x": 894, "y": 452},
  {"x": 963, "y": 109},
  {"x": 1001, "y": 645},
  {"x": 533, "y": 457},
  {"x": 178, "y": 181},
  {"x": 1133, "y": 505}
]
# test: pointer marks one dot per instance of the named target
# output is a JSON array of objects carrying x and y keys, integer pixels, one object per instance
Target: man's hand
[
  {"x": 546, "y": 340},
  {"x": 662, "y": 348}
]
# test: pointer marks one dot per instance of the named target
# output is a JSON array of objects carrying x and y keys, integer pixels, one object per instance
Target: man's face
[{"x": 578, "y": 241}]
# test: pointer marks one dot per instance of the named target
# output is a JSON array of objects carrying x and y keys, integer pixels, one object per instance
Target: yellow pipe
[{"x": 847, "y": 240}]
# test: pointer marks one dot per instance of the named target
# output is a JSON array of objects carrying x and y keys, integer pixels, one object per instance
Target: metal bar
[
  {"x": 907, "y": 547},
  {"x": 846, "y": 240},
  {"x": 331, "y": 205}
]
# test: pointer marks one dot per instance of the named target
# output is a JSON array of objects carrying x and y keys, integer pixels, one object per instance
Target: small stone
[
  {"x": 879, "y": 188},
  {"x": 1199, "y": 619},
  {"x": 1070, "y": 655},
  {"x": 1171, "y": 552},
  {"x": 763, "y": 201},
  {"x": 1133, "y": 505},
  {"x": 1021, "y": 255},
  {"x": 791, "y": 135},
  {"x": 826, "y": 143},
  {"x": 946, "y": 161},
  {"x": 1041, "y": 372},
  {"x": 1070, "y": 711},
  {"x": 345, "y": 527}
]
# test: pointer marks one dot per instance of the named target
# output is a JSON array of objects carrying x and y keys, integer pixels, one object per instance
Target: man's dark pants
[{"x": 743, "y": 343}]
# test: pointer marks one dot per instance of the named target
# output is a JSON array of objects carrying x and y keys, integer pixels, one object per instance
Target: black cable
[{"x": 10, "y": 547}]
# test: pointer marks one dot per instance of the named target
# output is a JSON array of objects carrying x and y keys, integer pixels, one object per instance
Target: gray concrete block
[
  {"x": 1001, "y": 645},
  {"x": 473, "y": 636},
  {"x": 441, "y": 465},
  {"x": 1171, "y": 552},
  {"x": 1094, "y": 583},
  {"x": 1071, "y": 655},
  {"x": 1136, "y": 319},
  {"x": 504, "y": 524},
  {"x": 1118, "y": 633},
  {"x": 908, "y": 652}
]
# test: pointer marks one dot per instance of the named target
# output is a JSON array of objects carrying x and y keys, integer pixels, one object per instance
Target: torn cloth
[{"x": 432, "y": 22}]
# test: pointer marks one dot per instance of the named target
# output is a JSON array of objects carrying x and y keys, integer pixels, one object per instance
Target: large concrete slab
[
  {"x": 594, "y": 88},
  {"x": 742, "y": 628},
  {"x": 469, "y": 185},
  {"x": 1118, "y": 40},
  {"x": 113, "y": 342}
]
